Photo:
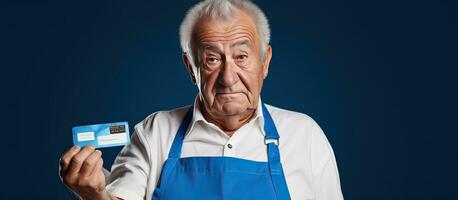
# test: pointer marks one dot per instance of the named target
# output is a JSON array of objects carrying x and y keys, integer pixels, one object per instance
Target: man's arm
[
  {"x": 130, "y": 171},
  {"x": 324, "y": 167}
]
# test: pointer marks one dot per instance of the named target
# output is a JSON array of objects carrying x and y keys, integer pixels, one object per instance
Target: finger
[
  {"x": 67, "y": 157},
  {"x": 98, "y": 167},
  {"x": 90, "y": 163},
  {"x": 78, "y": 159}
]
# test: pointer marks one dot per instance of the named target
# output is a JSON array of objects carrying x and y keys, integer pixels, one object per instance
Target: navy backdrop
[{"x": 380, "y": 77}]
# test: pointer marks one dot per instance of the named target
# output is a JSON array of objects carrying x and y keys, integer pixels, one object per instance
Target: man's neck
[{"x": 228, "y": 123}]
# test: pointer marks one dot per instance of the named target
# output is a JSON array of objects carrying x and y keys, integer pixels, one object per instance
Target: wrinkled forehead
[{"x": 240, "y": 27}]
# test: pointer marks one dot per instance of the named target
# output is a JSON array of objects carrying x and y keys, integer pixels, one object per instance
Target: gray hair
[{"x": 216, "y": 9}]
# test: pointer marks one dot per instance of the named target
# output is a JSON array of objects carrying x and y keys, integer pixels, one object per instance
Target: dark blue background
[{"x": 380, "y": 77}]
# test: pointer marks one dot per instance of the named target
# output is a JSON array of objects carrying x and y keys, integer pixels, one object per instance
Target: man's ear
[
  {"x": 188, "y": 66},
  {"x": 268, "y": 56}
]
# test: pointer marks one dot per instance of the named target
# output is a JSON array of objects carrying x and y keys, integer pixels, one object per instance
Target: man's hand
[{"x": 82, "y": 171}]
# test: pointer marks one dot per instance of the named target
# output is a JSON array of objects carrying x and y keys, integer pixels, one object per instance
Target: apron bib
[{"x": 222, "y": 177}]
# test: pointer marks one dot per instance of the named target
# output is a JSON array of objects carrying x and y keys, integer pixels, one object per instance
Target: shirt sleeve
[
  {"x": 128, "y": 179},
  {"x": 324, "y": 167}
]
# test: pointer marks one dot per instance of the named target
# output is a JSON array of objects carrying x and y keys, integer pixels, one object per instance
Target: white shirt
[{"x": 307, "y": 157}]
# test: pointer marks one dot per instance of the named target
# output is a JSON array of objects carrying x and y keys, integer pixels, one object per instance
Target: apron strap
[
  {"x": 175, "y": 150},
  {"x": 273, "y": 153},
  {"x": 276, "y": 172},
  {"x": 269, "y": 125}
]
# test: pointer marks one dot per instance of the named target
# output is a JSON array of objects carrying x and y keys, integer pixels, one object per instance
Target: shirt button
[{"x": 229, "y": 146}]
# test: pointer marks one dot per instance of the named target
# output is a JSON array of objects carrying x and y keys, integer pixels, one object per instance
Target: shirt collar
[{"x": 197, "y": 116}]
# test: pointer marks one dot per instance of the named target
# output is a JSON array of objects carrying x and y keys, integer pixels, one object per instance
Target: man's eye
[
  {"x": 242, "y": 57},
  {"x": 212, "y": 60}
]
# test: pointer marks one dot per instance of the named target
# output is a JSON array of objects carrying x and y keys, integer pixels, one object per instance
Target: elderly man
[{"x": 228, "y": 144}]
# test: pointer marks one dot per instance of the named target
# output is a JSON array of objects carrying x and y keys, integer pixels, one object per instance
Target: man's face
[{"x": 229, "y": 60}]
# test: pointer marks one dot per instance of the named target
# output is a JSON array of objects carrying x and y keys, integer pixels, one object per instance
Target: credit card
[{"x": 101, "y": 135}]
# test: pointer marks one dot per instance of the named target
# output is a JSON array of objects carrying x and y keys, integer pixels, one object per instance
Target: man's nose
[{"x": 228, "y": 75}]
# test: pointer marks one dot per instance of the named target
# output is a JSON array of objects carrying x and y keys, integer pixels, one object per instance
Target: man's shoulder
[
  {"x": 302, "y": 131},
  {"x": 283, "y": 116},
  {"x": 166, "y": 118}
]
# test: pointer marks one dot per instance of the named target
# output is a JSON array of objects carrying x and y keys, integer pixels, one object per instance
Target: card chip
[{"x": 117, "y": 129}]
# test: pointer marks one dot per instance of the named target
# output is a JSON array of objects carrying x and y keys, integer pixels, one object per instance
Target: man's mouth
[{"x": 227, "y": 93}]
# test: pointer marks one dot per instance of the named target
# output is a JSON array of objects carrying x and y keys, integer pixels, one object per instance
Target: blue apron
[{"x": 222, "y": 177}]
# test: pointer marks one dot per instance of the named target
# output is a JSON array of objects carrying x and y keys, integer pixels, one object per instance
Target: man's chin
[{"x": 232, "y": 108}]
